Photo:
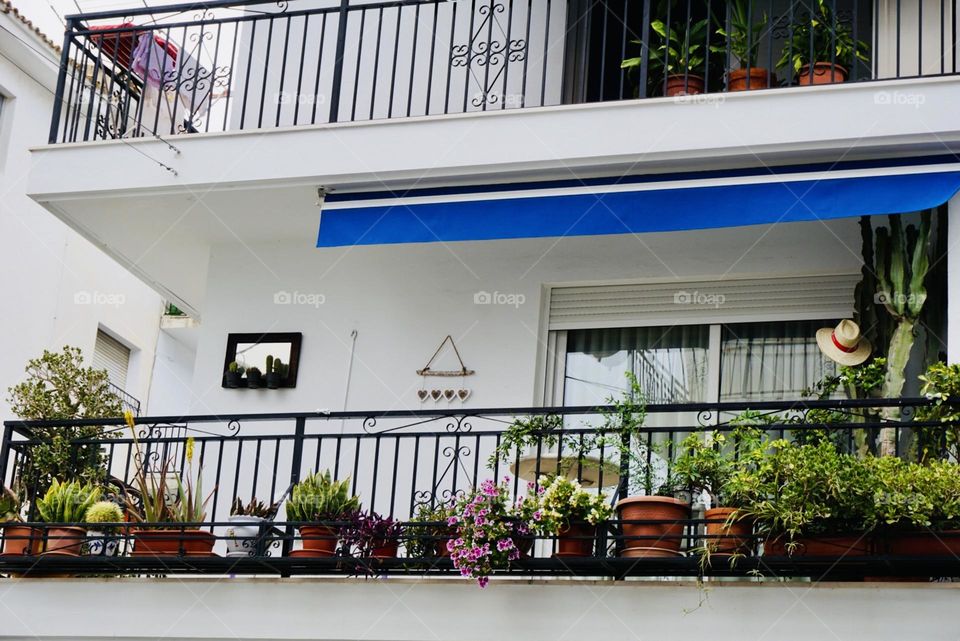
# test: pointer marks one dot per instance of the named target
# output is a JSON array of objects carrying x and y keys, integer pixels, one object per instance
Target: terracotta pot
[
  {"x": 725, "y": 537},
  {"x": 680, "y": 85},
  {"x": 653, "y": 540},
  {"x": 576, "y": 540},
  {"x": 21, "y": 540},
  {"x": 64, "y": 540},
  {"x": 946, "y": 543},
  {"x": 386, "y": 551},
  {"x": 836, "y": 546},
  {"x": 320, "y": 540},
  {"x": 824, "y": 73},
  {"x": 737, "y": 79},
  {"x": 173, "y": 543}
]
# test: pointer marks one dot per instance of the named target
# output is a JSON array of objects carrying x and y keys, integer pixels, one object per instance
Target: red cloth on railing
[{"x": 119, "y": 46}]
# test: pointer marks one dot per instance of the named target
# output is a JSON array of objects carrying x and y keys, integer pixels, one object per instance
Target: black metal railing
[
  {"x": 401, "y": 461},
  {"x": 128, "y": 401},
  {"x": 245, "y": 64}
]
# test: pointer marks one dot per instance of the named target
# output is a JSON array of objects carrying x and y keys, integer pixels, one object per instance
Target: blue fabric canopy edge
[{"x": 648, "y": 210}]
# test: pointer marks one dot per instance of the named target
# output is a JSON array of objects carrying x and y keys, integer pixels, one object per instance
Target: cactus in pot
[{"x": 103, "y": 520}]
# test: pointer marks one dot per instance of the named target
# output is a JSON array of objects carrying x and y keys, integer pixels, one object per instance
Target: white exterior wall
[
  {"x": 403, "y": 300},
  {"x": 456, "y": 610},
  {"x": 58, "y": 289}
]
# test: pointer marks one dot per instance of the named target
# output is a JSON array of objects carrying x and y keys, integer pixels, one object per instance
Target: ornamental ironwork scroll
[{"x": 488, "y": 53}]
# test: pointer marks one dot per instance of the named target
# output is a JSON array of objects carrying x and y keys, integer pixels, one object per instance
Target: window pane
[
  {"x": 670, "y": 363},
  {"x": 771, "y": 361}
]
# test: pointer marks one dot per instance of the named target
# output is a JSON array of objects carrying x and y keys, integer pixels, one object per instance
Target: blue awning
[{"x": 638, "y": 204}]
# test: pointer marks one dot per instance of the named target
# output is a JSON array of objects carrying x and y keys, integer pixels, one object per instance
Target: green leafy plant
[
  {"x": 320, "y": 498},
  {"x": 719, "y": 464},
  {"x": 10, "y": 505},
  {"x": 744, "y": 34},
  {"x": 59, "y": 387},
  {"x": 559, "y": 501},
  {"x": 678, "y": 50},
  {"x": 940, "y": 383},
  {"x": 428, "y": 531},
  {"x": 104, "y": 512},
  {"x": 67, "y": 502},
  {"x": 544, "y": 430},
  {"x": 807, "y": 489},
  {"x": 821, "y": 37},
  {"x": 255, "y": 508}
]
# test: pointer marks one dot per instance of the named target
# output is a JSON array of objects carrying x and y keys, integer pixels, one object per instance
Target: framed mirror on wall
[{"x": 275, "y": 355}]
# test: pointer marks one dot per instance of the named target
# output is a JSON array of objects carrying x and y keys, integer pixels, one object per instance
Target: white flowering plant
[{"x": 560, "y": 501}]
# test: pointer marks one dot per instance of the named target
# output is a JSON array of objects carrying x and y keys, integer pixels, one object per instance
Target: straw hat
[{"x": 843, "y": 344}]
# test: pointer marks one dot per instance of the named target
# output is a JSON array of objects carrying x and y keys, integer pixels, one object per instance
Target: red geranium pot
[
  {"x": 173, "y": 543},
  {"x": 653, "y": 540}
]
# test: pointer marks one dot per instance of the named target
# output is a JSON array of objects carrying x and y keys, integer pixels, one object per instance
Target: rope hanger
[{"x": 463, "y": 371}]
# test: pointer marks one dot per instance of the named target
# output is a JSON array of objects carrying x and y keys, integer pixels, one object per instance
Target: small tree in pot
[
  {"x": 320, "y": 505},
  {"x": 676, "y": 58}
]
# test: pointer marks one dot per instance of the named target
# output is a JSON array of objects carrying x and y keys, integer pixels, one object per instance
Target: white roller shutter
[
  {"x": 113, "y": 356},
  {"x": 688, "y": 303}
]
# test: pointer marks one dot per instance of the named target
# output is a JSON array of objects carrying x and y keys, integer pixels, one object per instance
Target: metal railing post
[
  {"x": 58, "y": 96},
  {"x": 338, "y": 61},
  {"x": 5, "y": 452},
  {"x": 295, "y": 464}
]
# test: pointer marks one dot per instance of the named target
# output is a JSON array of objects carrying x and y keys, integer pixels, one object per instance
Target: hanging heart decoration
[
  {"x": 423, "y": 394},
  {"x": 463, "y": 394},
  {"x": 435, "y": 394},
  {"x": 449, "y": 394}
]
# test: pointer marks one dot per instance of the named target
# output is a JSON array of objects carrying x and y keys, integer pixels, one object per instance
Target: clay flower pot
[
  {"x": 653, "y": 540},
  {"x": 824, "y": 73},
  {"x": 173, "y": 543},
  {"x": 20, "y": 540},
  {"x": 576, "y": 540},
  {"x": 841, "y": 545},
  {"x": 319, "y": 540},
  {"x": 726, "y": 537},
  {"x": 946, "y": 543},
  {"x": 680, "y": 85},
  {"x": 737, "y": 79},
  {"x": 64, "y": 540},
  {"x": 387, "y": 550}
]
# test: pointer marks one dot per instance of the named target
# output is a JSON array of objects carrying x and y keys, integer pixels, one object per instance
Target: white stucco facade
[{"x": 58, "y": 289}]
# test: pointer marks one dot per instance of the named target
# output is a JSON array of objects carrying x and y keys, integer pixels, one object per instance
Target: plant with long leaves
[
  {"x": 821, "y": 37},
  {"x": 67, "y": 502},
  {"x": 743, "y": 33},
  {"x": 677, "y": 50},
  {"x": 320, "y": 498}
]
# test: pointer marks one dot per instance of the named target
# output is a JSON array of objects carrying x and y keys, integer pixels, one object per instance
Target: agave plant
[
  {"x": 67, "y": 502},
  {"x": 254, "y": 508}
]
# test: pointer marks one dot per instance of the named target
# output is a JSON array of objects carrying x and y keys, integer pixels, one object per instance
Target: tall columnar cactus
[
  {"x": 902, "y": 263},
  {"x": 269, "y": 369}
]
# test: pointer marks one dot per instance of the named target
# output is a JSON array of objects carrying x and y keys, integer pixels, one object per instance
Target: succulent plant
[
  {"x": 9, "y": 505},
  {"x": 254, "y": 508},
  {"x": 254, "y": 372},
  {"x": 234, "y": 367},
  {"x": 270, "y": 364},
  {"x": 67, "y": 502},
  {"x": 104, "y": 512},
  {"x": 320, "y": 498}
]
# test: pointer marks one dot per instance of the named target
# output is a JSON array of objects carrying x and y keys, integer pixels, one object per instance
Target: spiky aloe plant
[
  {"x": 902, "y": 263},
  {"x": 320, "y": 498},
  {"x": 67, "y": 502}
]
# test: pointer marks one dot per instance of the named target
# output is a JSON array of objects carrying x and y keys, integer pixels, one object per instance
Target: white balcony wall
[{"x": 445, "y": 57}]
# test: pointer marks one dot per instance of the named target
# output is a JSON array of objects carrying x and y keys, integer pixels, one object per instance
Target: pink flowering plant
[
  {"x": 488, "y": 527},
  {"x": 560, "y": 501}
]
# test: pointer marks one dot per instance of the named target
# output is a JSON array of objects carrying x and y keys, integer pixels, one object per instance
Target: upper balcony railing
[
  {"x": 235, "y": 65},
  {"x": 406, "y": 465}
]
